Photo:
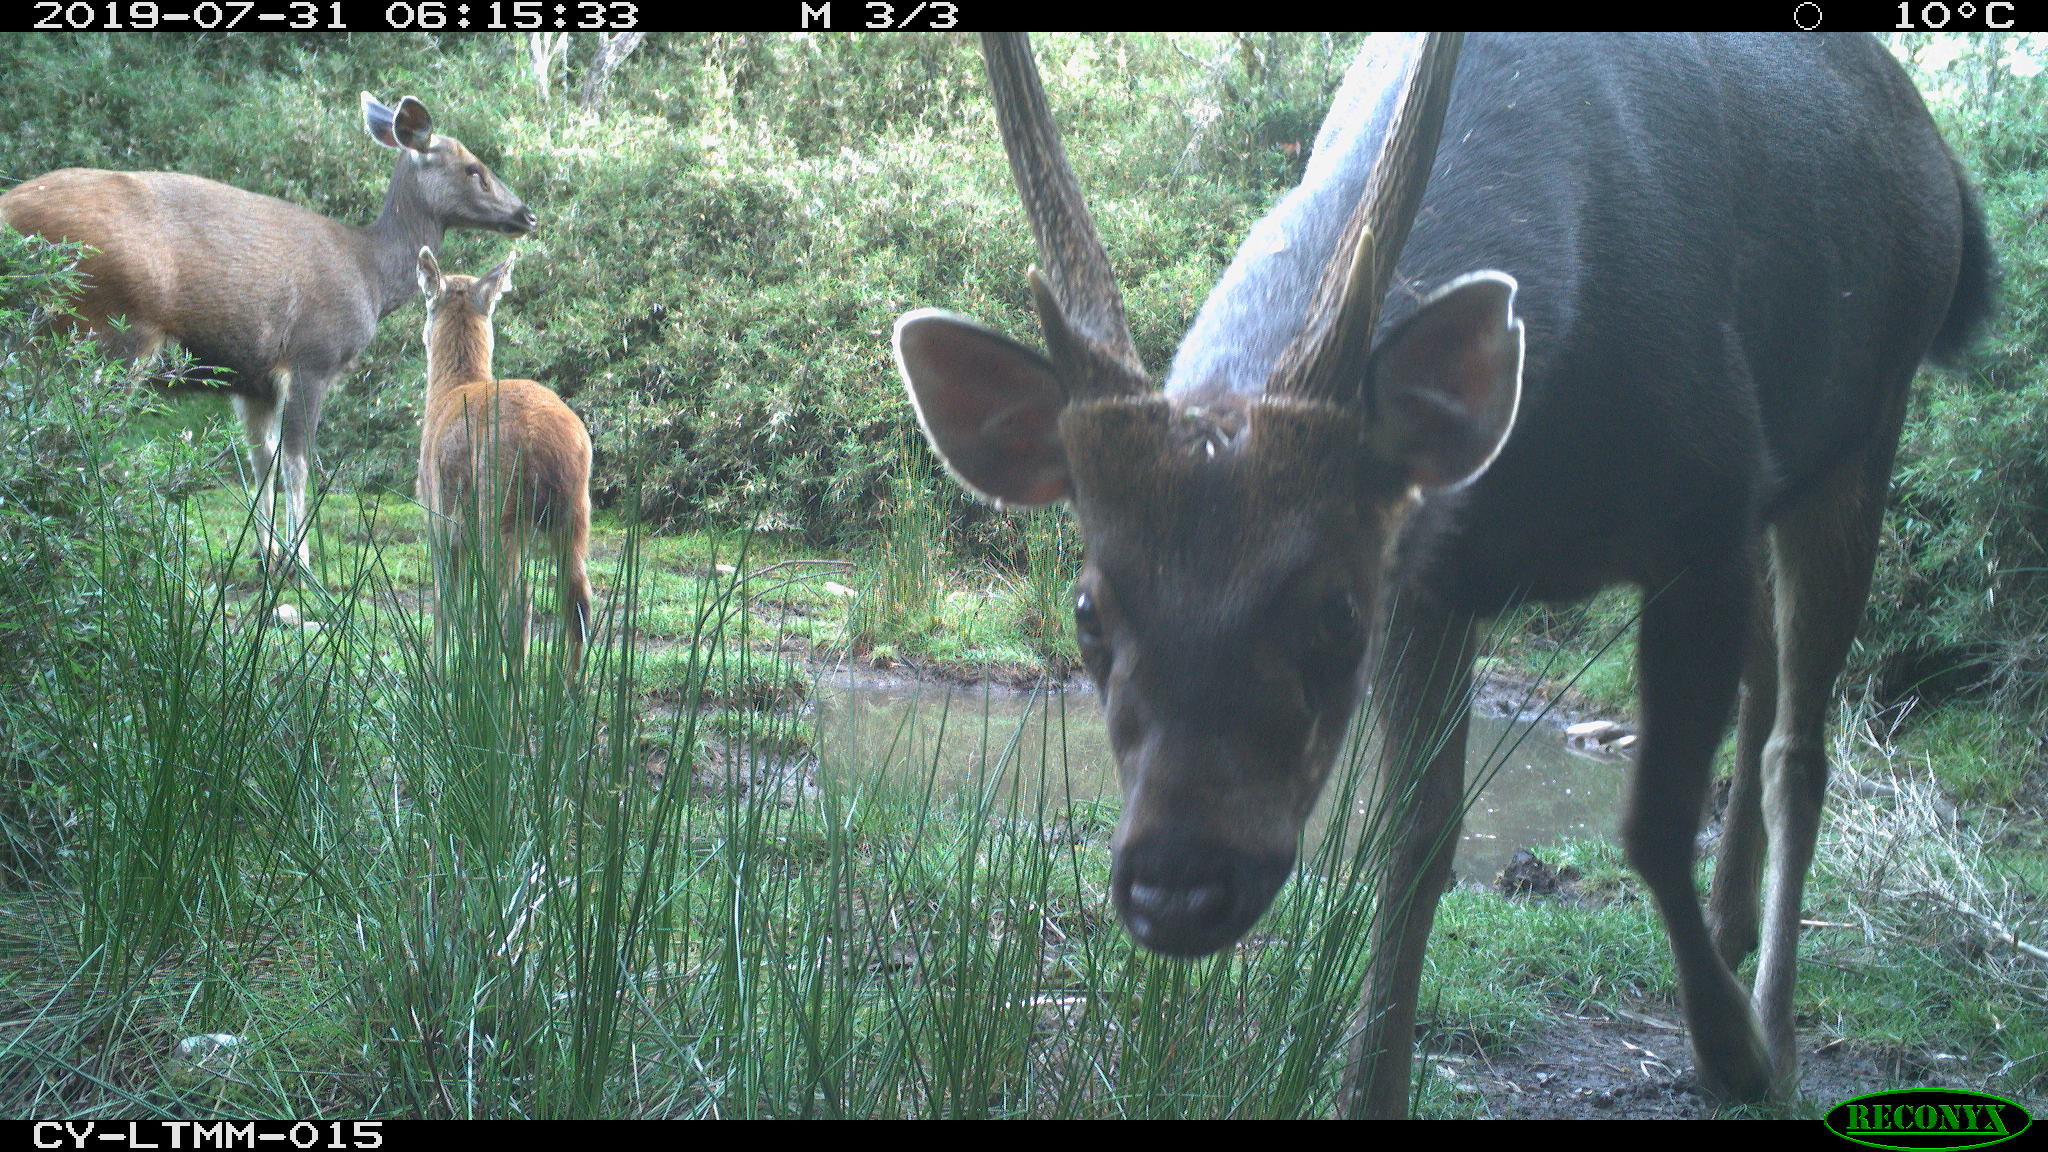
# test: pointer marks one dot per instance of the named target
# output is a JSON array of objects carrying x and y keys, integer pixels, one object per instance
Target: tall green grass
[
  {"x": 1052, "y": 561},
  {"x": 902, "y": 600},
  {"x": 422, "y": 879},
  {"x": 415, "y": 879}
]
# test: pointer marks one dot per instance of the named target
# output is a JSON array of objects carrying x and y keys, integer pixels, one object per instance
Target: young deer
[{"x": 499, "y": 457}]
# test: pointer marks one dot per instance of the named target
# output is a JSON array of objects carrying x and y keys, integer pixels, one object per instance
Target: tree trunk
[
  {"x": 542, "y": 49},
  {"x": 612, "y": 50}
]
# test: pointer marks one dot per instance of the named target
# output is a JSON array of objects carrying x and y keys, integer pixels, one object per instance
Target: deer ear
[
  {"x": 492, "y": 285},
  {"x": 412, "y": 127},
  {"x": 430, "y": 274},
  {"x": 379, "y": 121},
  {"x": 990, "y": 407},
  {"x": 1445, "y": 384}
]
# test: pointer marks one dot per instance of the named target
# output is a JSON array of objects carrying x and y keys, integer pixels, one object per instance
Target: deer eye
[
  {"x": 1334, "y": 638},
  {"x": 1338, "y": 625},
  {"x": 1087, "y": 621},
  {"x": 476, "y": 170}
]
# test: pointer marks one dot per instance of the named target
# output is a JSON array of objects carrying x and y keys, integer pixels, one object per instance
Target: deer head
[
  {"x": 1238, "y": 534},
  {"x": 454, "y": 188}
]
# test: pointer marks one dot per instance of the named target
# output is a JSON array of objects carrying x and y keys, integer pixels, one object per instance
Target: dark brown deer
[
  {"x": 1728, "y": 256},
  {"x": 502, "y": 462},
  {"x": 273, "y": 301}
]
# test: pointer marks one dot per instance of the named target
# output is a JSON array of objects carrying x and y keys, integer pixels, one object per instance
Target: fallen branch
[
  {"x": 1997, "y": 929},
  {"x": 1994, "y": 927}
]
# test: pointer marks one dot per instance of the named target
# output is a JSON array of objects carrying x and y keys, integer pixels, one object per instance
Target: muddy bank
[{"x": 1636, "y": 1065}]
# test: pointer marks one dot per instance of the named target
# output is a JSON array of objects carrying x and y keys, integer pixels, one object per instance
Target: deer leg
[
  {"x": 1689, "y": 658},
  {"x": 1424, "y": 709},
  {"x": 301, "y": 415},
  {"x": 1738, "y": 874},
  {"x": 259, "y": 428},
  {"x": 1822, "y": 549},
  {"x": 515, "y": 604},
  {"x": 446, "y": 552},
  {"x": 573, "y": 588}
]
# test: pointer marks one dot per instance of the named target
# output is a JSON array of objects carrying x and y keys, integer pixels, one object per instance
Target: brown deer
[
  {"x": 1736, "y": 249},
  {"x": 272, "y": 300},
  {"x": 501, "y": 461}
]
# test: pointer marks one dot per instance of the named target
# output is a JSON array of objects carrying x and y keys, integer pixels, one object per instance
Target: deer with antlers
[{"x": 1377, "y": 434}]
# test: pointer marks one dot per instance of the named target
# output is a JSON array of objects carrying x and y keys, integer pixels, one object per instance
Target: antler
[
  {"x": 1079, "y": 306},
  {"x": 1328, "y": 357}
]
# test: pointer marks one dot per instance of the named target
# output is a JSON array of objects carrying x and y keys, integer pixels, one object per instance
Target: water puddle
[{"x": 1538, "y": 790}]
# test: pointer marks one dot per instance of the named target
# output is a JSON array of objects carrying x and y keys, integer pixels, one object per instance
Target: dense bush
[
  {"x": 60, "y": 403},
  {"x": 1961, "y": 602}
]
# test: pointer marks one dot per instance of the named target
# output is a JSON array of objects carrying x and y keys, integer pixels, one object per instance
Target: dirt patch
[
  {"x": 1638, "y": 1067},
  {"x": 1526, "y": 875}
]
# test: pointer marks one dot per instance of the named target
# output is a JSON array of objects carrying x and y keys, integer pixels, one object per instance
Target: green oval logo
[{"x": 1918, "y": 1119}]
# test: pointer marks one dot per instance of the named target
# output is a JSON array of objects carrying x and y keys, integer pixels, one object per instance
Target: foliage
[
  {"x": 61, "y": 406},
  {"x": 1961, "y": 601},
  {"x": 724, "y": 249},
  {"x": 416, "y": 903}
]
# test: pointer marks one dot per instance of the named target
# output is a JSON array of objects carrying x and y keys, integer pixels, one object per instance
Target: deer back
[{"x": 510, "y": 443}]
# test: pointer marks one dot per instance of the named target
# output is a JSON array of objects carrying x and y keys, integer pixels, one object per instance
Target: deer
[
  {"x": 1378, "y": 434},
  {"x": 273, "y": 301},
  {"x": 502, "y": 462}
]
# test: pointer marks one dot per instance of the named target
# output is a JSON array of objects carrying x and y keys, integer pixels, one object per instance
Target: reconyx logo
[{"x": 1920, "y": 1118}]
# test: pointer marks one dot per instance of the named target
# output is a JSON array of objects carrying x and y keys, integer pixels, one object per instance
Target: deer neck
[
  {"x": 458, "y": 352},
  {"x": 1265, "y": 295},
  {"x": 405, "y": 226}
]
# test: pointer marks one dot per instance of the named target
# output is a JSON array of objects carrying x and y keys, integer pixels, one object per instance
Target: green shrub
[{"x": 1961, "y": 598}]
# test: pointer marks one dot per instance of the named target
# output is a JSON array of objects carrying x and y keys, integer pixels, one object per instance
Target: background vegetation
[
  {"x": 725, "y": 245},
  {"x": 729, "y": 228}
]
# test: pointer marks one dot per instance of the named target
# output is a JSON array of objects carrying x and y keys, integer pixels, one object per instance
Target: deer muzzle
[{"x": 1191, "y": 897}]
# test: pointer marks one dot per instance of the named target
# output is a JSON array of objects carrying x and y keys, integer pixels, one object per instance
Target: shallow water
[{"x": 1535, "y": 789}]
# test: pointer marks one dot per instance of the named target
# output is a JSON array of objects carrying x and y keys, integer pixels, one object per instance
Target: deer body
[
  {"x": 502, "y": 462},
  {"x": 1676, "y": 389},
  {"x": 1726, "y": 256},
  {"x": 273, "y": 301}
]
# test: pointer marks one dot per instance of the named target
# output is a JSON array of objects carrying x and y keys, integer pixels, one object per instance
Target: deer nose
[
  {"x": 523, "y": 221},
  {"x": 1191, "y": 899}
]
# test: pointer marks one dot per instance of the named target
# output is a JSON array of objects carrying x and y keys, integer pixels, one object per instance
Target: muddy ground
[{"x": 1605, "y": 1068}]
